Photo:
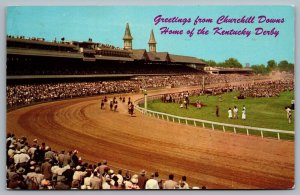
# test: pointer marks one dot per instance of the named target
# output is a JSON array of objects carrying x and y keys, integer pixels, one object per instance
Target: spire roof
[
  {"x": 127, "y": 34},
  {"x": 152, "y": 38}
]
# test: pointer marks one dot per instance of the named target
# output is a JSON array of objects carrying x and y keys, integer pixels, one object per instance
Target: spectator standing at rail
[
  {"x": 142, "y": 179},
  {"x": 229, "y": 113},
  {"x": 170, "y": 183},
  {"x": 183, "y": 184},
  {"x": 120, "y": 177},
  {"x": 152, "y": 183},
  {"x": 134, "y": 181},
  {"x": 95, "y": 181},
  {"x": 158, "y": 179}
]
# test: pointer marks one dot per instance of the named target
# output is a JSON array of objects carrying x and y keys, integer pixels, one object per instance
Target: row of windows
[{"x": 112, "y": 53}]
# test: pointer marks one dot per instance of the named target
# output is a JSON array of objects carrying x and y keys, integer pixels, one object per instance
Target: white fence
[{"x": 206, "y": 124}]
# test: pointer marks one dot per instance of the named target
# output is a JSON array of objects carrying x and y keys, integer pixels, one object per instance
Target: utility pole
[
  {"x": 145, "y": 99},
  {"x": 203, "y": 83}
]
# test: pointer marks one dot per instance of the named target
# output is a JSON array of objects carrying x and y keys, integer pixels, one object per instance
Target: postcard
[{"x": 150, "y": 97}]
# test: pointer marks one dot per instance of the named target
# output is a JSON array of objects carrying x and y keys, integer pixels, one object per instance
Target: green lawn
[{"x": 260, "y": 112}]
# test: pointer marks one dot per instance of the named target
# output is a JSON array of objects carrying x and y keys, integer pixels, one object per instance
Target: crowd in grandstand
[
  {"x": 34, "y": 165},
  {"x": 254, "y": 89},
  {"x": 267, "y": 88},
  {"x": 18, "y": 95}
]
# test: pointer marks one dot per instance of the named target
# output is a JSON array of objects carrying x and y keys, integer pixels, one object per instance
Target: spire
[
  {"x": 152, "y": 38},
  {"x": 152, "y": 42},
  {"x": 127, "y": 35},
  {"x": 127, "y": 38}
]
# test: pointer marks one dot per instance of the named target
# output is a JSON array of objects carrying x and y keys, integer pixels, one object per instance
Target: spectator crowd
[
  {"x": 20, "y": 95},
  {"x": 35, "y": 166}
]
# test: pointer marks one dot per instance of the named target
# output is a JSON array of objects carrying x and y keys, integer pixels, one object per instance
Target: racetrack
[{"x": 211, "y": 158}]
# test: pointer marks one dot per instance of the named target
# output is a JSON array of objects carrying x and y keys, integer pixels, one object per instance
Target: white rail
[{"x": 205, "y": 123}]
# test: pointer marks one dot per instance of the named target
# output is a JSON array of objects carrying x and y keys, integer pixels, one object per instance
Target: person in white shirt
[
  {"x": 183, "y": 184},
  {"x": 105, "y": 184},
  {"x": 17, "y": 157},
  {"x": 287, "y": 109},
  {"x": 23, "y": 157},
  {"x": 235, "y": 112},
  {"x": 230, "y": 113},
  {"x": 244, "y": 114},
  {"x": 78, "y": 174},
  {"x": 170, "y": 183},
  {"x": 152, "y": 183}
]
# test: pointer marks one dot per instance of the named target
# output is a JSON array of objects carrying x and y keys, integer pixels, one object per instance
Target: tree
[
  {"x": 232, "y": 63},
  {"x": 272, "y": 65},
  {"x": 221, "y": 64},
  {"x": 260, "y": 69},
  {"x": 211, "y": 63},
  {"x": 291, "y": 67},
  {"x": 283, "y": 65}
]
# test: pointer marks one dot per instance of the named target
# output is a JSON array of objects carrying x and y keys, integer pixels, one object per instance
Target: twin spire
[
  {"x": 128, "y": 40},
  {"x": 127, "y": 35},
  {"x": 152, "y": 42}
]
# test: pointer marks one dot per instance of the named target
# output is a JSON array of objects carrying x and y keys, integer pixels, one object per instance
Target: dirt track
[{"x": 211, "y": 158}]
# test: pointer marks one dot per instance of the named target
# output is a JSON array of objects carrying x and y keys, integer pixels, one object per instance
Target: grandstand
[{"x": 35, "y": 56}]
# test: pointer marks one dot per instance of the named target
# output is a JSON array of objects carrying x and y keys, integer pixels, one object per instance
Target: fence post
[
  {"x": 247, "y": 131},
  {"x": 186, "y": 121},
  {"x": 261, "y": 133},
  {"x": 173, "y": 119},
  {"x": 234, "y": 130},
  {"x": 278, "y": 136},
  {"x": 195, "y": 123},
  {"x": 178, "y": 120},
  {"x": 167, "y": 117},
  {"x": 224, "y": 128},
  {"x": 212, "y": 126},
  {"x": 203, "y": 125}
]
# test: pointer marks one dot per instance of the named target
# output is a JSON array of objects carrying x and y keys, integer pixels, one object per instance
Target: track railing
[{"x": 207, "y": 124}]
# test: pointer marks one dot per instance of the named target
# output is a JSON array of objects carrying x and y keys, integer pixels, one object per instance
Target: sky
[{"x": 106, "y": 24}]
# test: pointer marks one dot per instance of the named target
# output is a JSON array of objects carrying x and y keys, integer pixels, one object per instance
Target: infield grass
[{"x": 260, "y": 112}]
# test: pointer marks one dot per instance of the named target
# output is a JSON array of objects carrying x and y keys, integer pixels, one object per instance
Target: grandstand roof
[
  {"x": 139, "y": 54},
  {"x": 159, "y": 56},
  {"x": 185, "y": 59},
  {"x": 40, "y": 42}
]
